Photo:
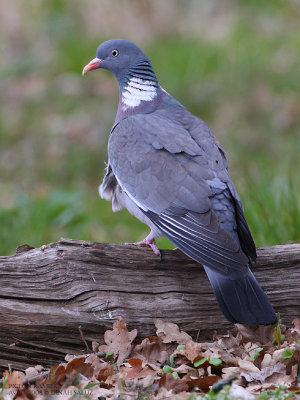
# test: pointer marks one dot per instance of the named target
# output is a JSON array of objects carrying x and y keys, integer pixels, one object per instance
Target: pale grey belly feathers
[{"x": 111, "y": 190}]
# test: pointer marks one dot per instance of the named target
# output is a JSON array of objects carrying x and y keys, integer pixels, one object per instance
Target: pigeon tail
[{"x": 240, "y": 298}]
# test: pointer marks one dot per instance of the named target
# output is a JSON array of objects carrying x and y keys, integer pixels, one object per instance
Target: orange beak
[{"x": 91, "y": 65}]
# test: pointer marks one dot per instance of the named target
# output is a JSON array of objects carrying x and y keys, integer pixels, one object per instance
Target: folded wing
[{"x": 167, "y": 174}]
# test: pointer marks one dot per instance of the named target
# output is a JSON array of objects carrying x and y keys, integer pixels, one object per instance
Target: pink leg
[{"x": 148, "y": 241}]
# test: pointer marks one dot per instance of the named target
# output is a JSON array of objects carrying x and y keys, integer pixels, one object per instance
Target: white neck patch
[{"x": 137, "y": 90}]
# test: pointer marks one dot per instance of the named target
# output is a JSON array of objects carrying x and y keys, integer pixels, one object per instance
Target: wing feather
[{"x": 215, "y": 249}]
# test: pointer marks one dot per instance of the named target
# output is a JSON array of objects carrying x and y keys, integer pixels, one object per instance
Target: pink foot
[{"x": 148, "y": 242}]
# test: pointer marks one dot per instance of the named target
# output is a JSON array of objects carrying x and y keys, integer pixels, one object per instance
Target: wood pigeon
[{"x": 168, "y": 169}]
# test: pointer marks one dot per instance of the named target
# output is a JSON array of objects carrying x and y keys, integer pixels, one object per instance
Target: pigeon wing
[
  {"x": 166, "y": 173},
  {"x": 202, "y": 134}
]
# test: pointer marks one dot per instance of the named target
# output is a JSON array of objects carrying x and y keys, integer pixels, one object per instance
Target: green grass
[{"x": 54, "y": 124}]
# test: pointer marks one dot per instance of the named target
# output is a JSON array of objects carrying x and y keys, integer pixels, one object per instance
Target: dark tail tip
[{"x": 241, "y": 299}]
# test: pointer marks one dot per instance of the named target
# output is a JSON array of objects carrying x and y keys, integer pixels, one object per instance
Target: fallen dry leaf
[
  {"x": 62, "y": 374},
  {"x": 176, "y": 385},
  {"x": 192, "y": 351},
  {"x": 31, "y": 372},
  {"x": 79, "y": 366},
  {"x": 227, "y": 357},
  {"x": 296, "y": 328},
  {"x": 248, "y": 366},
  {"x": 118, "y": 340},
  {"x": 261, "y": 376},
  {"x": 105, "y": 372},
  {"x": 141, "y": 364},
  {"x": 136, "y": 369},
  {"x": 153, "y": 353},
  {"x": 169, "y": 332},
  {"x": 230, "y": 372},
  {"x": 14, "y": 385},
  {"x": 256, "y": 333},
  {"x": 189, "y": 371},
  {"x": 277, "y": 356},
  {"x": 239, "y": 393},
  {"x": 227, "y": 341},
  {"x": 203, "y": 383},
  {"x": 56, "y": 377},
  {"x": 267, "y": 361},
  {"x": 95, "y": 362},
  {"x": 15, "y": 378}
]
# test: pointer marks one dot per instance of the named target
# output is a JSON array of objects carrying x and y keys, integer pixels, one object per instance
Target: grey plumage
[{"x": 167, "y": 168}]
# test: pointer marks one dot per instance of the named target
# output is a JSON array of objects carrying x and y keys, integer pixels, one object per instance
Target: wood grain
[{"x": 49, "y": 294}]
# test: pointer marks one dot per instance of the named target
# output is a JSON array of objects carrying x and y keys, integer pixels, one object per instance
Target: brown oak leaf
[
  {"x": 296, "y": 328},
  {"x": 118, "y": 340},
  {"x": 136, "y": 369},
  {"x": 154, "y": 353},
  {"x": 14, "y": 379},
  {"x": 268, "y": 374},
  {"x": 177, "y": 385},
  {"x": 105, "y": 372},
  {"x": 203, "y": 383},
  {"x": 192, "y": 351},
  {"x": 256, "y": 333},
  {"x": 170, "y": 332}
]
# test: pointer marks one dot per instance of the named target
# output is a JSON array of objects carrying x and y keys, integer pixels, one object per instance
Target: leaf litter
[{"x": 169, "y": 365}]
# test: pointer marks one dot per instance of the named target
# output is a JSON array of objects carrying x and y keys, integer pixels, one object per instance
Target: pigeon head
[
  {"x": 132, "y": 69},
  {"x": 116, "y": 55}
]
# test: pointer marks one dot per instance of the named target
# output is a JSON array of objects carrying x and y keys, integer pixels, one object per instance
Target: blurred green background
[{"x": 235, "y": 64}]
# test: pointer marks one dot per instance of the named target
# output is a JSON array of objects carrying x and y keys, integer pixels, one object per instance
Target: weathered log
[{"x": 54, "y": 298}]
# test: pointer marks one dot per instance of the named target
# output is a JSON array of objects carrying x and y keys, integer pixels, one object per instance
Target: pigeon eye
[{"x": 115, "y": 53}]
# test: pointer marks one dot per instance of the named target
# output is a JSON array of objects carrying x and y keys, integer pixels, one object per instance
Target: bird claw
[
  {"x": 147, "y": 242},
  {"x": 155, "y": 249}
]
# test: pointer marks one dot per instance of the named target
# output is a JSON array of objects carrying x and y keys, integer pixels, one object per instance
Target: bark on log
[{"x": 51, "y": 297}]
